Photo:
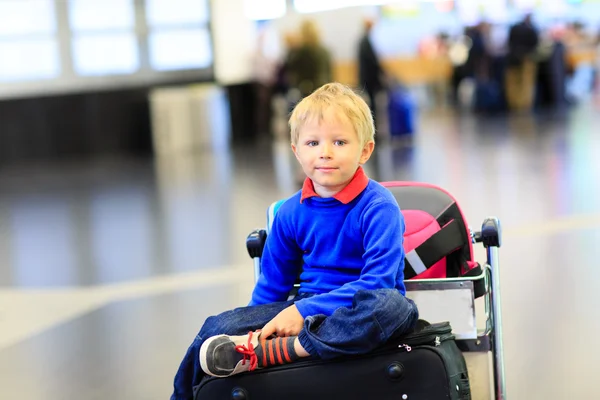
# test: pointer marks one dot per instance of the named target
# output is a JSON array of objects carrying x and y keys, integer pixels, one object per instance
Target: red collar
[{"x": 358, "y": 183}]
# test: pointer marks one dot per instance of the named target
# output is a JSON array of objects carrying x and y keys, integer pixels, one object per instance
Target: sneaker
[{"x": 224, "y": 355}]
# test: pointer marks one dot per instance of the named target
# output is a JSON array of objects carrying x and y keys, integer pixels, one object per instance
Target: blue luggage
[
  {"x": 488, "y": 97},
  {"x": 401, "y": 112}
]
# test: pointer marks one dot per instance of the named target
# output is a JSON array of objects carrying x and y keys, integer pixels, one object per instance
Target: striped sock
[{"x": 277, "y": 351}]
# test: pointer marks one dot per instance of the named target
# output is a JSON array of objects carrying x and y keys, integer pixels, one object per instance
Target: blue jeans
[{"x": 375, "y": 317}]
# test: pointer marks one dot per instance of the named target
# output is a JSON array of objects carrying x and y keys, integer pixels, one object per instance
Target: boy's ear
[
  {"x": 295, "y": 150},
  {"x": 366, "y": 152}
]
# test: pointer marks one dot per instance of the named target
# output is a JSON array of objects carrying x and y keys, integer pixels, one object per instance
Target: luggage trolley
[{"x": 450, "y": 299}]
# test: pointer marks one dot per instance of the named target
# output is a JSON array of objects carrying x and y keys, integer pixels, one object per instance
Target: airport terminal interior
[{"x": 128, "y": 183}]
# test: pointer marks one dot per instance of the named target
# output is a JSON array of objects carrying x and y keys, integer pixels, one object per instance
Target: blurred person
[
  {"x": 458, "y": 53},
  {"x": 488, "y": 93},
  {"x": 370, "y": 74},
  {"x": 265, "y": 74},
  {"x": 521, "y": 70},
  {"x": 581, "y": 46},
  {"x": 480, "y": 51},
  {"x": 436, "y": 48},
  {"x": 310, "y": 66},
  {"x": 291, "y": 42},
  {"x": 552, "y": 68},
  {"x": 285, "y": 95},
  {"x": 442, "y": 82},
  {"x": 443, "y": 44},
  {"x": 476, "y": 66},
  {"x": 576, "y": 36}
]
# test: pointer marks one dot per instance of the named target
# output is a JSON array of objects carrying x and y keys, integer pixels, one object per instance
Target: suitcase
[
  {"x": 401, "y": 112},
  {"x": 488, "y": 96},
  {"x": 426, "y": 364}
]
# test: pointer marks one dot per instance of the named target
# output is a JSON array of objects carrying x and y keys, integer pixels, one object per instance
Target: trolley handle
[{"x": 490, "y": 234}]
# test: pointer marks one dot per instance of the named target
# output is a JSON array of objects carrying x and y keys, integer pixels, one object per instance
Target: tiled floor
[{"x": 110, "y": 267}]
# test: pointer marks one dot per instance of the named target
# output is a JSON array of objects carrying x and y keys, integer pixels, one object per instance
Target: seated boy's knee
[
  {"x": 384, "y": 299},
  {"x": 224, "y": 323},
  {"x": 214, "y": 325}
]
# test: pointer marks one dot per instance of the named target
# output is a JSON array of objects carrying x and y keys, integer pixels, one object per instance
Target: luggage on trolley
[
  {"x": 401, "y": 112},
  {"x": 426, "y": 364},
  {"x": 446, "y": 357}
]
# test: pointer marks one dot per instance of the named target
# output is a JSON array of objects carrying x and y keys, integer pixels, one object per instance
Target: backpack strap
[{"x": 439, "y": 245}]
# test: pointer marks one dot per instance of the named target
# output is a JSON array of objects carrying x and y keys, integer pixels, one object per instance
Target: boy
[{"x": 342, "y": 232}]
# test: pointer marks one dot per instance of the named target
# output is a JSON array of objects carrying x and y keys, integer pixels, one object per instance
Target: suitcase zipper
[
  {"x": 406, "y": 347},
  {"x": 435, "y": 341}
]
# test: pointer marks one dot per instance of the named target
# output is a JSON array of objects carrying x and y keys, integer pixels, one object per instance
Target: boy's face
[{"x": 330, "y": 152}]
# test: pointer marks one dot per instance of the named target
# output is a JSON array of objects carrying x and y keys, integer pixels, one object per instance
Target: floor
[{"x": 109, "y": 267}]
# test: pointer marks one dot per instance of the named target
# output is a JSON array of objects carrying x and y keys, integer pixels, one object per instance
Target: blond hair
[
  {"x": 309, "y": 33},
  {"x": 343, "y": 100}
]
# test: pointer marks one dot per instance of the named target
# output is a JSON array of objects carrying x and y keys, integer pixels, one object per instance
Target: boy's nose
[{"x": 326, "y": 151}]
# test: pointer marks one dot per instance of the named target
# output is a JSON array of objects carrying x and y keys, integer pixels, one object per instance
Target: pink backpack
[{"x": 437, "y": 240}]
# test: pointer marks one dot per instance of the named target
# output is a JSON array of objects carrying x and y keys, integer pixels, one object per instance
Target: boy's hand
[{"x": 288, "y": 322}]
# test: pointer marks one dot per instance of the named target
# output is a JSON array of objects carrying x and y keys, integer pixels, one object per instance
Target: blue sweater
[{"x": 340, "y": 249}]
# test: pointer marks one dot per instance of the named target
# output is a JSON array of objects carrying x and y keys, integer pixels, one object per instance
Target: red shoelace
[{"x": 248, "y": 352}]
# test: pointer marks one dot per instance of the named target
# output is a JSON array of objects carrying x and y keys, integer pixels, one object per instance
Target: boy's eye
[
  {"x": 312, "y": 143},
  {"x": 339, "y": 143}
]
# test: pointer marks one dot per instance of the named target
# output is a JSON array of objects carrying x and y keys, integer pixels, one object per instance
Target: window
[
  {"x": 108, "y": 53},
  {"x": 58, "y": 45},
  {"x": 310, "y": 6},
  {"x": 164, "y": 55},
  {"x": 103, "y": 37},
  {"x": 26, "y": 17},
  {"x": 28, "y": 46},
  {"x": 261, "y": 10},
  {"x": 179, "y": 37},
  {"x": 86, "y": 15},
  {"x": 176, "y": 12}
]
